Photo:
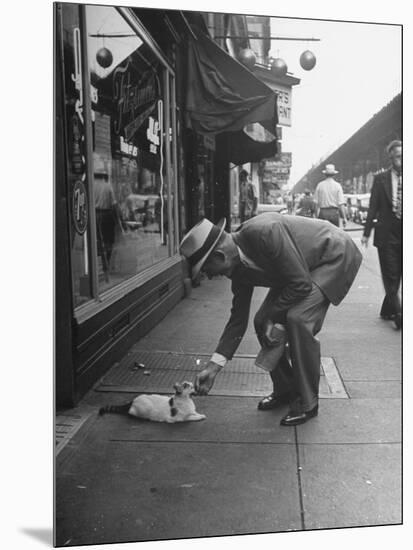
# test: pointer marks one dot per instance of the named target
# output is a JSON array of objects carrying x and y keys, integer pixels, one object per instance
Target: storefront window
[{"x": 132, "y": 166}]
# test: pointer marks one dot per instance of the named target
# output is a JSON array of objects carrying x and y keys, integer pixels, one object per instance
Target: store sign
[
  {"x": 79, "y": 207},
  {"x": 277, "y": 169},
  {"x": 134, "y": 98},
  {"x": 209, "y": 142},
  {"x": 129, "y": 97},
  {"x": 152, "y": 133},
  {"x": 127, "y": 148},
  {"x": 122, "y": 148},
  {"x": 284, "y": 103},
  {"x": 274, "y": 178},
  {"x": 284, "y": 159}
]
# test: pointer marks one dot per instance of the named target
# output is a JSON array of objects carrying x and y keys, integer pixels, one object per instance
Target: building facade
[{"x": 238, "y": 34}]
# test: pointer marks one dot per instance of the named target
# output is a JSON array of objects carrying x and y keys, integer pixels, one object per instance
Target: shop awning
[{"x": 223, "y": 97}]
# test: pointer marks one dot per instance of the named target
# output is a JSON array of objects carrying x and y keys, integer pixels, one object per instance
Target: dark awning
[{"x": 223, "y": 97}]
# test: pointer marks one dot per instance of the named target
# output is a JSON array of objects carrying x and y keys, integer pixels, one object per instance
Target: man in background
[
  {"x": 107, "y": 214},
  {"x": 290, "y": 203},
  {"x": 307, "y": 206},
  {"x": 386, "y": 206},
  {"x": 248, "y": 202},
  {"x": 330, "y": 198}
]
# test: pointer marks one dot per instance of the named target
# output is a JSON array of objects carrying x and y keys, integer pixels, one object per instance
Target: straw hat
[
  {"x": 200, "y": 241},
  {"x": 330, "y": 170}
]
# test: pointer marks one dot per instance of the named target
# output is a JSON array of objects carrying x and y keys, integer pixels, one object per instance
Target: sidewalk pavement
[{"x": 120, "y": 479}]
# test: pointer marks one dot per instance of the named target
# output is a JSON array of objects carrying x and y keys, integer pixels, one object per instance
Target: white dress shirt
[
  {"x": 329, "y": 194},
  {"x": 394, "y": 184}
]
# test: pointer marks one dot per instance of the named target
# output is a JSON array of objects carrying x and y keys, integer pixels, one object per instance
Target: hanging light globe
[
  {"x": 247, "y": 58},
  {"x": 307, "y": 60},
  {"x": 104, "y": 57},
  {"x": 279, "y": 67}
]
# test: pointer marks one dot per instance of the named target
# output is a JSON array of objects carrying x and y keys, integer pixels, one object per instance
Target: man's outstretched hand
[{"x": 205, "y": 379}]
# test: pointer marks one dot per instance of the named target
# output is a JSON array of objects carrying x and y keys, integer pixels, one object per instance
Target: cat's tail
[{"x": 116, "y": 409}]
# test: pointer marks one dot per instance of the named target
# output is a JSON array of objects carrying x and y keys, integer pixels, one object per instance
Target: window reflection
[{"x": 131, "y": 178}]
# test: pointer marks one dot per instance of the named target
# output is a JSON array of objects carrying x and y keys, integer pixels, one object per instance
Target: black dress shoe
[
  {"x": 294, "y": 418},
  {"x": 273, "y": 401}
]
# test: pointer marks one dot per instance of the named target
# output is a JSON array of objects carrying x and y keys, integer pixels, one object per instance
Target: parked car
[
  {"x": 280, "y": 208},
  {"x": 140, "y": 209},
  {"x": 358, "y": 206}
]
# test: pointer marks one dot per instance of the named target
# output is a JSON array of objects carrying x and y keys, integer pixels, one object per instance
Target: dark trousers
[
  {"x": 304, "y": 320},
  {"x": 330, "y": 214},
  {"x": 244, "y": 211},
  {"x": 390, "y": 257}
]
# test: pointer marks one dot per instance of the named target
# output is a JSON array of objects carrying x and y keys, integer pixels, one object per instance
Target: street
[{"x": 119, "y": 479}]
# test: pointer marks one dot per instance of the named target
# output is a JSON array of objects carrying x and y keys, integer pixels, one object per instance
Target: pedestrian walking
[
  {"x": 307, "y": 206},
  {"x": 248, "y": 201},
  {"x": 296, "y": 202},
  {"x": 386, "y": 206},
  {"x": 290, "y": 203},
  {"x": 330, "y": 198},
  {"x": 306, "y": 264},
  {"x": 107, "y": 215}
]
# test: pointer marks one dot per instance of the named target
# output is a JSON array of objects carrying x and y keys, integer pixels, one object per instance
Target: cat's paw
[{"x": 198, "y": 417}]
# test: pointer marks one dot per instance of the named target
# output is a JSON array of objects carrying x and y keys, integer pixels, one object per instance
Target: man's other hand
[
  {"x": 205, "y": 379},
  {"x": 364, "y": 241}
]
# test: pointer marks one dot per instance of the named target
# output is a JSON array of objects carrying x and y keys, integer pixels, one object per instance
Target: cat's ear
[{"x": 178, "y": 388}]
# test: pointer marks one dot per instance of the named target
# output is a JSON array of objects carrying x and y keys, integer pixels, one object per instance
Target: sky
[{"x": 358, "y": 71}]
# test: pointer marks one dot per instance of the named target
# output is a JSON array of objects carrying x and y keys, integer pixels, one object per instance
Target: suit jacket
[
  {"x": 293, "y": 253},
  {"x": 381, "y": 208}
]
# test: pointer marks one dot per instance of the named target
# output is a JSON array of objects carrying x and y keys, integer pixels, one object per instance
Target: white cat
[{"x": 161, "y": 408}]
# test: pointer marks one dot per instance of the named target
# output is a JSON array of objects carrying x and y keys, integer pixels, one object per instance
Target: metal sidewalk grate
[
  {"x": 240, "y": 377},
  {"x": 66, "y": 425}
]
